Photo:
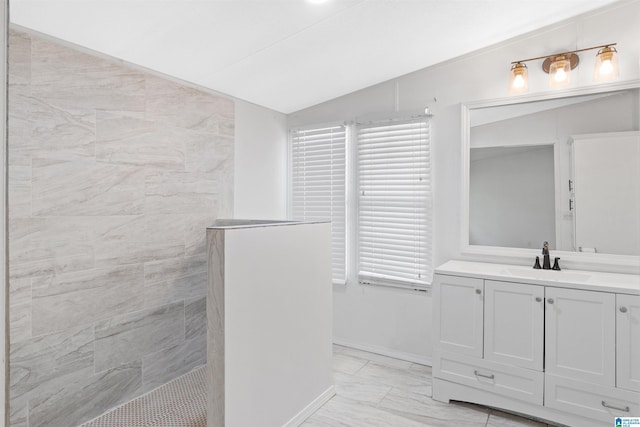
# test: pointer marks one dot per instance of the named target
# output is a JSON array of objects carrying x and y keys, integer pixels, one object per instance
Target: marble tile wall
[{"x": 114, "y": 175}]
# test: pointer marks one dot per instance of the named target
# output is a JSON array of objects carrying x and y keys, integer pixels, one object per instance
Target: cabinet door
[
  {"x": 514, "y": 324},
  {"x": 628, "y": 342},
  {"x": 457, "y": 319},
  {"x": 580, "y": 335}
]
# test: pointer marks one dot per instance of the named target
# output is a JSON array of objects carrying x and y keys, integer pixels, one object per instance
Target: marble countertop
[
  {"x": 248, "y": 223},
  {"x": 576, "y": 279}
]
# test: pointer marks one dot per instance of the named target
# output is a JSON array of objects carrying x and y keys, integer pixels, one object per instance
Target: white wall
[
  {"x": 260, "y": 163},
  {"x": 399, "y": 321}
]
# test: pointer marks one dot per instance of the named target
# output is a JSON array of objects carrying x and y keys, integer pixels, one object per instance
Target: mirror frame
[{"x": 524, "y": 256}]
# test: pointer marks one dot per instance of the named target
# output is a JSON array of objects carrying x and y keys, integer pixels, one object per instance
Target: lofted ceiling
[{"x": 289, "y": 54}]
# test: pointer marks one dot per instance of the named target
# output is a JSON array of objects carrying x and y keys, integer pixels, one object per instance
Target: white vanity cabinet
[
  {"x": 628, "y": 339},
  {"x": 514, "y": 324},
  {"x": 549, "y": 345},
  {"x": 458, "y": 328},
  {"x": 580, "y": 336}
]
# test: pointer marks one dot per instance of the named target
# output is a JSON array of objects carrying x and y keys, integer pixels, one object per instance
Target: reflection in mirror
[
  {"x": 522, "y": 161},
  {"x": 512, "y": 212}
]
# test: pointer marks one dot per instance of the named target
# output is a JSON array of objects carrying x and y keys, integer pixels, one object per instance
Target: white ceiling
[{"x": 289, "y": 54}]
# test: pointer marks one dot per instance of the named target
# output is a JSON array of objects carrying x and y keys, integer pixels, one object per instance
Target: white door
[
  {"x": 457, "y": 303},
  {"x": 580, "y": 335},
  {"x": 606, "y": 171},
  {"x": 628, "y": 341},
  {"x": 514, "y": 324}
]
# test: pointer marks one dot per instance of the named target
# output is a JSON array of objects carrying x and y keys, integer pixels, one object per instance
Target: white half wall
[
  {"x": 260, "y": 163},
  {"x": 396, "y": 321}
]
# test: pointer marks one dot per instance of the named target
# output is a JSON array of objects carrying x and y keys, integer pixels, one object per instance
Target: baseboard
[
  {"x": 409, "y": 357},
  {"x": 312, "y": 407}
]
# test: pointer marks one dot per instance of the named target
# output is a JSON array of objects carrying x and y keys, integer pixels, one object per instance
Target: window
[
  {"x": 394, "y": 203},
  {"x": 318, "y": 185},
  {"x": 389, "y": 222}
]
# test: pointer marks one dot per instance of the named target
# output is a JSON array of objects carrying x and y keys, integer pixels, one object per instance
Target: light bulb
[
  {"x": 560, "y": 75},
  {"x": 559, "y": 71},
  {"x": 606, "y": 67},
  {"x": 518, "y": 82}
]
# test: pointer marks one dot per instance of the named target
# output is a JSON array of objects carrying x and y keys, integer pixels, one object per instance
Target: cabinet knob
[
  {"x": 550, "y": 300},
  {"x": 478, "y": 291},
  {"x": 538, "y": 299},
  {"x": 623, "y": 309}
]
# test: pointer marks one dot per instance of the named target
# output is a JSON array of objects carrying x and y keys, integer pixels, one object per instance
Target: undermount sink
[{"x": 553, "y": 275}]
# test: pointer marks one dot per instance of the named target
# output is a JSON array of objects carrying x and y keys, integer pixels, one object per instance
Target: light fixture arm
[{"x": 564, "y": 53}]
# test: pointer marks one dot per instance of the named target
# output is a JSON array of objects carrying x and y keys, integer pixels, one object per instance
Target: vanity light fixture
[{"x": 559, "y": 68}]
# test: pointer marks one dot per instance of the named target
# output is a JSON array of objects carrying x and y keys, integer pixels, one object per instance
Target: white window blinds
[
  {"x": 394, "y": 206},
  {"x": 318, "y": 184}
]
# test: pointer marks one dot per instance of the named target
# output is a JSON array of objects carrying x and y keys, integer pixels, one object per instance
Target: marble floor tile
[
  {"x": 377, "y": 358},
  {"x": 423, "y": 409},
  {"x": 348, "y": 364},
  {"x": 503, "y": 419},
  {"x": 353, "y": 388},
  {"x": 359, "y": 402},
  {"x": 340, "y": 411},
  {"x": 396, "y": 377}
]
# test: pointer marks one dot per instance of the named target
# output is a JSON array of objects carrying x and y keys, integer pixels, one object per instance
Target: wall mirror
[{"x": 563, "y": 169}]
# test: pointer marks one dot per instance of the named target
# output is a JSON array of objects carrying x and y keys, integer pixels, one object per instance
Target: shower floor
[{"x": 179, "y": 403}]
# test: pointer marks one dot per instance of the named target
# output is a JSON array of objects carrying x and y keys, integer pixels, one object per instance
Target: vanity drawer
[
  {"x": 514, "y": 382},
  {"x": 590, "y": 400}
]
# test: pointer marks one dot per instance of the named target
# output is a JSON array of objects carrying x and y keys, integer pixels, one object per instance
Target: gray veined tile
[
  {"x": 19, "y": 291},
  {"x": 161, "y": 229},
  {"x": 19, "y": 128},
  {"x": 348, "y": 364},
  {"x": 57, "y": 133},
  {"x": 20, "y": 322},
  {"x": 66, "y": 300},
  {"x": 83, "y": 188},
  {"x": 45, "y": 246},
  {"x": 175, "y": 279},
  {"x": 423, "y": 409},
  {"x": 396, "y": 377},
  {"x": 377, "y": 358},
  {"x": 132, "y": 252},
  {"x": 19, "y": 186},
  {"x": 174, "y": 268},
  {"x": 19, "y": 411},
  {"x": 19, "y": 58},
  {"x": 196, "y": 233},
  {"x": 177, "y": 289},
  {"x": 34, "y": 255},
  {"x": 68, "y": 78},
  {"x": 206, "y": 153},
  {"x": 227, "y": 127},
  {"x": 186, "y": 107},
  {"x": 420, "y": 369},
  {"x": 351, "y": 387},
  {"x": 345, "y": 412},
  {"x": 85, "y": 396},
  {"x": 48, "y": 359},
  {"x": 129, "y": 337},
  {"x": 502, "y": 419},
  {"x": 181, "y": 193},
  {"x": 122, "y": 139},
  {"x": 168, "y": 364},
  {"x": 195, "y": 314}
]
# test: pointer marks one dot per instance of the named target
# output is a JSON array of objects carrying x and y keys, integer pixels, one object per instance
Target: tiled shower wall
[{"x": 114, "y": 175}]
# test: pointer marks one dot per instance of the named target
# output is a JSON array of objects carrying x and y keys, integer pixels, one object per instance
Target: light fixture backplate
[{"x": 572, "y": 57}]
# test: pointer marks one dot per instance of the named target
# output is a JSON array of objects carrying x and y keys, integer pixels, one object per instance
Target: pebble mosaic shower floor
[{"x": 179, "y": 403}]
